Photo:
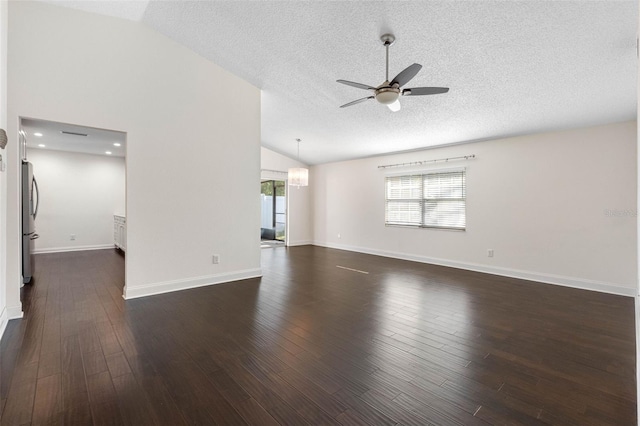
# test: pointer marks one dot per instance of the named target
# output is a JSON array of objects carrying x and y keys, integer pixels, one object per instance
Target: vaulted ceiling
[{"x": 514, "y": 67}]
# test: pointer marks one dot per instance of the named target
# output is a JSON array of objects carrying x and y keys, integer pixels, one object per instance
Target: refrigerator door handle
[{"x": 35, "y": 211}]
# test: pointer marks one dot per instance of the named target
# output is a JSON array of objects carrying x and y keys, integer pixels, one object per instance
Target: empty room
[{"x": 348, "y": 213}]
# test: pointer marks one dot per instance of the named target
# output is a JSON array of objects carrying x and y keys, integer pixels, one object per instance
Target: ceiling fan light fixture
[
  {"x": 395, "y": 107},
  {"x": 387, "y": 96}
]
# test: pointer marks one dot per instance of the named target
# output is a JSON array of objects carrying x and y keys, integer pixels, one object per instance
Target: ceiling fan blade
[
  {"x": 358, "y": 85},
  {"x": 357, "y": 101},
  {"x": 395, "y": 106},
  {"x": 406, "y": 75},
  {"x": 420, "y": 91}
]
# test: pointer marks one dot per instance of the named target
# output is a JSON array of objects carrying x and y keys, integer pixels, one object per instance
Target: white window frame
[{"x": 422, "y": 201}]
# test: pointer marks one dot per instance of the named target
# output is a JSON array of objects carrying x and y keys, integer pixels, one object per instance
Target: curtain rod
[
  {"x": 415, "y": 163},
  {"x": 273, "y": 171}
]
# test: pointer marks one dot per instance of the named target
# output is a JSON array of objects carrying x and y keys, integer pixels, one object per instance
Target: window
[{"x": 431, "y": 200}]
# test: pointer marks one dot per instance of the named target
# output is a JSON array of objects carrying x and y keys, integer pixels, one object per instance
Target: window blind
[{"x": 431, "y": 200}]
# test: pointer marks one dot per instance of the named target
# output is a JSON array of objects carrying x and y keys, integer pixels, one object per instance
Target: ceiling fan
[{"x": 388, "y": 93}]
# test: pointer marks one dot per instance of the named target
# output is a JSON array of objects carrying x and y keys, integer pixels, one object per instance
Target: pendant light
[{"x": 298, "y": 176}]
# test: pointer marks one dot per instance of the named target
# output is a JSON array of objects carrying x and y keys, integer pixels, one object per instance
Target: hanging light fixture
[{"x": 298, "y": 176}]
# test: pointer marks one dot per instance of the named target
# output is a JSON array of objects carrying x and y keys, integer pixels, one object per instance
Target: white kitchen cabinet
[{"x": 120, "y": 232}]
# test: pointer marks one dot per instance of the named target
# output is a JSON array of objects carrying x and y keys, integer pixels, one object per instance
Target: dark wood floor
[{"x": 311, "y": 343}]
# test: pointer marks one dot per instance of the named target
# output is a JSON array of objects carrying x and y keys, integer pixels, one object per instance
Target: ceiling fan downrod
[{"x": 387, "y": 40}]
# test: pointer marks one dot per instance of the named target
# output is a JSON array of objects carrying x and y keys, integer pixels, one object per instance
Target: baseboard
[
  {"x": 74, "y": 248},
  {"x": 14, "y": 312},
  {"x": 184, "y": 284},
  {"x": 299, "y": 243},
  {"x": 8, "y": 314},
  {"x": 4, "y": 319},
  {"x": 580, "y": 283}
]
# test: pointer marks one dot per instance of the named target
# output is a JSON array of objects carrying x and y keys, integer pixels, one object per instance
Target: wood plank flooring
[{"x": 312, "y": 343}]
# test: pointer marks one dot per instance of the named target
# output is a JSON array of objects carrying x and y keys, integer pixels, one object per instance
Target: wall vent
[{"x": 73, "y": 133}]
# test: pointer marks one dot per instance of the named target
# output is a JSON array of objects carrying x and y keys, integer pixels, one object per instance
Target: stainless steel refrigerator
[{"x": 30, "y": 201}]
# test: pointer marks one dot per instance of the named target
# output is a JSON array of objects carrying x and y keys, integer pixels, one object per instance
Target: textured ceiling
[
  {"x": 97, "y": 141},
  {"x": 514, "y": 67}
]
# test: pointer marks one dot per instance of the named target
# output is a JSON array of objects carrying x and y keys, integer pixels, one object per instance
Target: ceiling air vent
[{"x": 73, "y": 133}]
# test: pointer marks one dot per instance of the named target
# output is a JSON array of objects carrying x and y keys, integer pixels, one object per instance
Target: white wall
[
  {"x": 4, "y": 314},
  {"x": 190, "y": 127},
  {"x": 299, "y": 228},
  {"x": 539, "y": 201},
  {"x": 79, "y": 194}
]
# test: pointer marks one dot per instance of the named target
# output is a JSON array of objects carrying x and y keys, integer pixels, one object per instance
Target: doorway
[
  {"x": 81, "y": 204},
  {"x": 273, "y": 207}
]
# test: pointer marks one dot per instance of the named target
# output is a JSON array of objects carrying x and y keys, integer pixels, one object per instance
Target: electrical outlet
[
  {"x": 215, "y": 259},
  {"x": 490, "y": 252},
  {"x": 73, "y": 237}
]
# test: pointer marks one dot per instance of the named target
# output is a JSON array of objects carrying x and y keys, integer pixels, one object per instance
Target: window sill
[{"x": 435, "y": 228}]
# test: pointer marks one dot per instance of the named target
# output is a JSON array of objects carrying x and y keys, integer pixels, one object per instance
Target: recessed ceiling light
[
  {"x": 38, "y": 134},
  {"x": 116, "y": 144},
  {"x": 41, "y": 145},
  {"x": 108, "y": 152}
]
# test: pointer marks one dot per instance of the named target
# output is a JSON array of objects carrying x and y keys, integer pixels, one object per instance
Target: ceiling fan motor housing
[{"x": 387, "y": 95}]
